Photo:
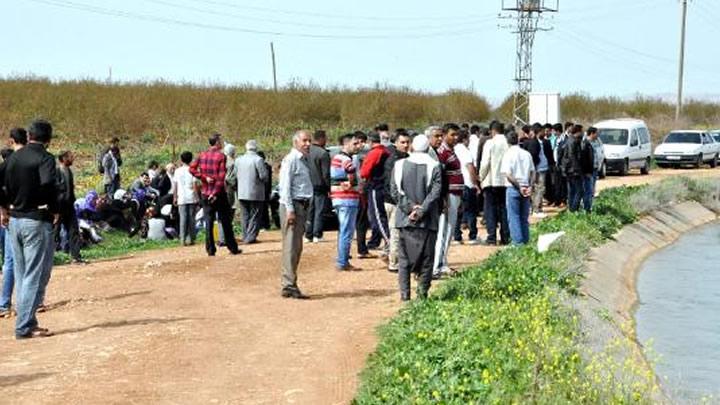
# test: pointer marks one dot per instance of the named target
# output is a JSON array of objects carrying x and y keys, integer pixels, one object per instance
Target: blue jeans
[
  {"x": 8, "y": 271},
  {"x": 347, "y": 215},
  {"x": 588, "y": 191},
  {"x": 575, "y": 192},
  {"x": 33, "y": 247},
  {"x": 518, "y": 211}
]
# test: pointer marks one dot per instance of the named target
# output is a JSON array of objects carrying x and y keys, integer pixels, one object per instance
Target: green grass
[{"x": 502, "y": 331}]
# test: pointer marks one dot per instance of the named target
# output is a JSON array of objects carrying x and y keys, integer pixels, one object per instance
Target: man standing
[
  {"x": 296, "y": 190},
  {"x": 66, "y": 206},
  {"x": 518, "y": 169},
  {"x": 493, "y": 185},
  {"x": 345, "y": 198},
  {"x": 373, "y": 172},
  {"x": 29, "y": 204},
  {"x": 471, "y": 190},
  {"x": 185, "y": 197},
  {"x": 251, "y": 177},
  {"x": 210, "y": 169},
  {"x": 111, "y": 170},
  {"x": 384, "y": 131},
  {"x": 362, "y": 223},
  {"x": 416, "y": 186},
  {"x": 398, "y": 150},
  {"x": 453, "y": 181},
  {"x": 319, "y": 163},
  {"x": 541, "y": 152},
  {"x": 598, "y": 154},
  {"x": 587, "y": 163},
  {"x": 572, "y": 167}
]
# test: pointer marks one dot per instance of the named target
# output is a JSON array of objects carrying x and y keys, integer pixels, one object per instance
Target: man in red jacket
[{"x": 373, "y": 171}]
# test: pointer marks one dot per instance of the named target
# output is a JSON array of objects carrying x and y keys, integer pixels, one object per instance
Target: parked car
[
  {"x": 715, "y": 134},
  {"x": 687, "y": 147},
  {"x": 627, "y": 145}
]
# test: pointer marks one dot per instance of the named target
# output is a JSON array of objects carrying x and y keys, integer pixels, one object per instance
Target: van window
[
  {"x": 634, "y": 138},
  {"x": 644, "y": 135},
  {"x": 611, "y": 136}
]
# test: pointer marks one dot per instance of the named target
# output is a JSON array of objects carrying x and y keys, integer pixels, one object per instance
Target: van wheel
[
  {"x": 714, "y": 161},
  {"x": 645, "y": 169},
  {"x": 625, "y": 168},
  {"x": 699, "y": 161},
  {"x": 602, "y": 173}
]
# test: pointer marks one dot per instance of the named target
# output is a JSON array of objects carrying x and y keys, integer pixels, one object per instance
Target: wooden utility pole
[
  {"x": 272, "y": 53},
  {"x": 681, "y": 70}
]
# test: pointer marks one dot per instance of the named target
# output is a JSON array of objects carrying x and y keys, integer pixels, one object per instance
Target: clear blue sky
[{"x": 602, "y": 47}]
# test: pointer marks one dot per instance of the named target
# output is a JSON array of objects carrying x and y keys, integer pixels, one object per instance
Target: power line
[{"x": 172, "y": 21}]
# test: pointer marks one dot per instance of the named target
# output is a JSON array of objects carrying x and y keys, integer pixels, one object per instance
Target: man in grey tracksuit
[
  {"x": 251, "y": 175},
  {"x": 416, "y": 186}
]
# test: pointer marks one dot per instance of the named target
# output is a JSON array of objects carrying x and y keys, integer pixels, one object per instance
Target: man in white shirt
[
  {"x": 519, "y": 171},
  {"x": 470, "y": 191},
  {"x": 185, "y": 197},
  {"x": 493, "y": 185}
]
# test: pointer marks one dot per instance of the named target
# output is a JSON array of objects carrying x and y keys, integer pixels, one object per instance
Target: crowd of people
[{"x": 416, "y": 194}]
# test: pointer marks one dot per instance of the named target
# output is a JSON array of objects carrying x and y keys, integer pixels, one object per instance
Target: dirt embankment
[{"x": 175, "y": 326}]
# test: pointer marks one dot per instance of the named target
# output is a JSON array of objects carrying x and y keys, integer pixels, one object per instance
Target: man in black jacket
[
  {"x": 66, "y": 206},
  {"x": 398, "y": 150},
  {"x": 319, "y": 164},
  {"x": 572, "y": 167},
  {"x": 541, "y": 151},
  {"x": 30, "y": 205}
]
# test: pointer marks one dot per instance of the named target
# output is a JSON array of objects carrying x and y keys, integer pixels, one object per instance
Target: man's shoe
[
  {"x": 236, "y": 252},
  {"x": 5, "y": 312},
  {"x": 318, "y": 240},
  {"x": 489, "y": 242},
  {"x": 37, "y": 333},
  {"x": 294, "y": 293},
  {"x": 366, "y": 256},
  {"x": 456, "y": 242},
  {"x": 393, "y": 269},
  {"x": 473, "y": 242},
  {"x": 349, "y": 267},
  {"x": 307, "y": 240},
  {"x": 539, "y": 215},
  {"x": 80, "y": 260},
  {"x": 41, "y": 308}
]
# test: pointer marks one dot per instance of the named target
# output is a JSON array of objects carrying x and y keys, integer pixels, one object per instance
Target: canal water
[{"x": 679, "y": 314}]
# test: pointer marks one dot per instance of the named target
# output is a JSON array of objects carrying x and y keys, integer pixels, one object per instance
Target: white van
[{"x": 627, "y": 145}]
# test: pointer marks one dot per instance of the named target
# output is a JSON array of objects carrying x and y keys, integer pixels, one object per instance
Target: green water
[{"x": 679, "y": 315}]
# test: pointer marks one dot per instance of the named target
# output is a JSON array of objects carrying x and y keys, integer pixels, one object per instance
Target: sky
[{"x": 609, "y": 47}]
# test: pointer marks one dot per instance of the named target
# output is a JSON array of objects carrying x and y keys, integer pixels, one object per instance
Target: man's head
[
  {"x": 301, "y": 141},
  {"x": 569, "y": 126},
  {"x": 401, "y": 140},
  {"x": 349, "y": 144},
  {"x": 558, "y": 128},
  {"x": 463, "y": 137},
  {"x": 251, "y": 146},
  {"x": 374, "y": 138},
  {"x": 577, "y": 130},
  {"x": 153, "y": 165},
  {"x": 475, "y": 129},
  {"x": 40, "y": 131},
  {"x": 145, "y": 178},
  {"x": 497, "y": 128},
  {"x": 384, "y": 131},
  {"x": 66, "y": 158},
  {"x": 592, "y": 133},
  {"x": 170, "y": 169},
  {"x": 186, "y": 157},
  {"x": 215, "y": 140},
  {"x": 361, "y": 138},
  {"x": 18, "y": 138},
  {"x": 229, "y": 150},
  {"x": 115, "y": 142},
  {"x": 537, "y": 131},
  {"x": 452, "y": 131},
  {"x": 319, "y": 138},
  {"x": 420, "y": 144},
  {"x": 513, "y": 138},
  {"x": 434, "y": 135}
]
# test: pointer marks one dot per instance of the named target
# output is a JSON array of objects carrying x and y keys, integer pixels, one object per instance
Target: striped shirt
[
  {"x": 452, "y": 170},
  {"x": 343, "y": 181}
]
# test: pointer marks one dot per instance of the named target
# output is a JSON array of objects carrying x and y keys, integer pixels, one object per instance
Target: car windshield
[
  {"x": 716, "y": 135},
  {"x": 683, "y": 137},
  {"x": 610, "y": 136}
]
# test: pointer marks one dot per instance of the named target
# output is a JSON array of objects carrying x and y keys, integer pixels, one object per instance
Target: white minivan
[{"x": 627, "y": 145}]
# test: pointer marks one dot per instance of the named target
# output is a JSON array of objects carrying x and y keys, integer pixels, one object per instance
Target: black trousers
[
  {"x": 69, "y": 221},
  {"x": 361, "y": 227},
  {"x": 220, "y": 208},
  {"x": 416, "y": 255},
  {"x": 495, "y": 214},
  {"x": 314, "y": 223}
]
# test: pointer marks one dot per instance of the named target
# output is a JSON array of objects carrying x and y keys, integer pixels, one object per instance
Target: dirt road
[{"x": 175, "y": 326}]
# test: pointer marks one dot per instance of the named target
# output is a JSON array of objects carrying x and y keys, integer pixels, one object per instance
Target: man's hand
[
  {"x": 526, "y": 191},
  {"x": 56, "y": 219},
  {"x": 291, "y": 218},
  {"x": 209, "y": 180},
  {"x": 4, "y": 217}
]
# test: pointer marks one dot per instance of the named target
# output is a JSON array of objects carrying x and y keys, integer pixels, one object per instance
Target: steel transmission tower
[{"x": 528, "y": 15}]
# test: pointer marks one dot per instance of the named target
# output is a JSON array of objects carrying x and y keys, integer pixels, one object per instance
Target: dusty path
[{"x": 175, "y": 326}]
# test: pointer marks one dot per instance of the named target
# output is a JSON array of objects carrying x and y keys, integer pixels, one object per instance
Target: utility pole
[
  {"x": 681, "y": 69},
  {"x": 528, "y": 15},
  {"x": 272, "y": 53}
]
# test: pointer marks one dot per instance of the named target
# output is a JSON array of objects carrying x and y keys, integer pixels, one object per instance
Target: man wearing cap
[
  {"x": 416, "y": 186},
  {"x": 296, "y": 190},
  {"x": 251, "y": 177}
]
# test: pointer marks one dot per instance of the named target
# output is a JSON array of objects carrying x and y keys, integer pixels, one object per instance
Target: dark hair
[
  {"x": 462, "y": 135},
  {"x": 450, "y": 127},
  {"x": 153, "y": 164},
  {"x": 558, "y": 127},
  {"x": 361, "y": 136},
  {"x": 382, "y": 127},
  {"x": 398, "y": 133},
  {"x": 475, "y": 129},
  {"x": 319, "y": 135},
  {"x": 115, "y": 139},
  {"x": 261, "y": 154},
  {"x": 498, "y": 127},
  {"x": 186, "y": 157},
  {"x": 143, "y": 174},
  {"x": 40, "y": 131},
  {"x": 214, "y": 138},
  {"x": 465, "y": 125},
  {"x": 537, "y": 128},
  {"x": 345, "y": 138},
  {"x": 19, "y": 136},
  {"x": 568, "y": 125},
  {"x": 64, "y": 155},
  {"x": 6, "y": 152},
  {"x": 592, "y": 130},
  {"x": 512, "y": 138},
  {"x": 525, "y": 128},
  {"x": 485, "y": 131},
  {"x": 548, "y": 126},
  {"x": 577, "y": 128}
]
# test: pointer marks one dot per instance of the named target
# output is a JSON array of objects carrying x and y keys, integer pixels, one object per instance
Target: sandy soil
[{"x": 175, "y": 326}]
